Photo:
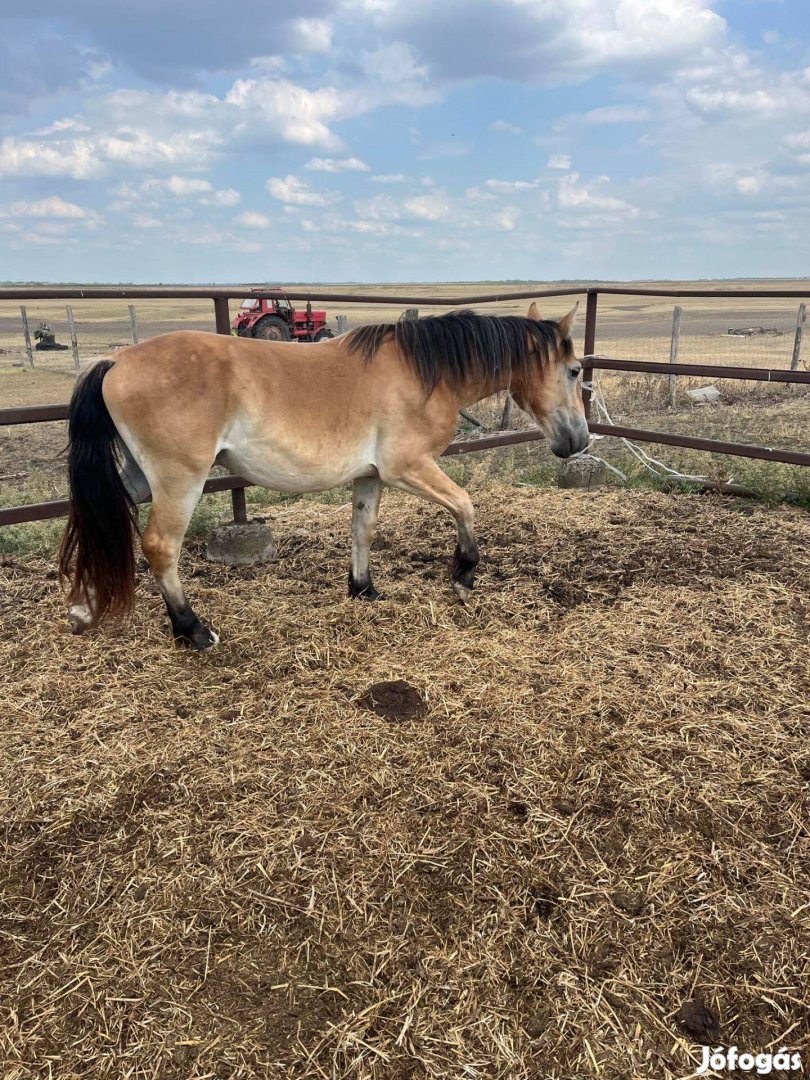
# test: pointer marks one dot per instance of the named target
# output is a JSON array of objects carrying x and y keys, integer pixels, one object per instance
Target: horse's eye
[{"x": 574, "y": 372}]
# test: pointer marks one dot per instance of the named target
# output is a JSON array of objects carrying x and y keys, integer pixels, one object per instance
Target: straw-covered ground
[{"x": 578, "y": 847}]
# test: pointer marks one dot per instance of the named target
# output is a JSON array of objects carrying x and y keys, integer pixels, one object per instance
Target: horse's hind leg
[
  {"x": 428, "y": 481},
  {"x": 366, "y": 494},
  {"x": 161, "y": 542}
]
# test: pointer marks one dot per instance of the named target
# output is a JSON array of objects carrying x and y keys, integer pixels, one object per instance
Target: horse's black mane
[{"x": 463, "y": 345}]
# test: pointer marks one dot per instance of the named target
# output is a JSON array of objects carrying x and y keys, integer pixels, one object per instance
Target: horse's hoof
[
  {"x": 462, "y": 592},
  {"x": 79, "y": 618},
  {"x": 369, "y": 594},
  {"x": 211, "y": 639},
  {"x": 200, "y": 638},
  {"x": 359, "y": 591}
]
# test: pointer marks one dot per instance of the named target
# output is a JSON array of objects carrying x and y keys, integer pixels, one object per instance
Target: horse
[{"x": 373, "y": 407}]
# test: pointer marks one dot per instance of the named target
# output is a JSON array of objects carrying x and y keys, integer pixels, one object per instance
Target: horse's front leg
[
  {"x": 428, "y": 481},
  {"x": 366, "y": 493}
]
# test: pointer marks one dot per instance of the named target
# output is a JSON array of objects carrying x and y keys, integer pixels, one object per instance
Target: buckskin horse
[{"x": 375, "y": 406}]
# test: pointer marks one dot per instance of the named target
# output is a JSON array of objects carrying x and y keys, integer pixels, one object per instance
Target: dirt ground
[{"x": 569, "y": 839}]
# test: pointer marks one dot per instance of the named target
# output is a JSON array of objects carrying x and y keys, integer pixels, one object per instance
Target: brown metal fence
[{"x": 221, "y": 297}]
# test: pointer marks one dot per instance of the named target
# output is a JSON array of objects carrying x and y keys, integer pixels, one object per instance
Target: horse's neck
[{"x": 475, "y": 390}]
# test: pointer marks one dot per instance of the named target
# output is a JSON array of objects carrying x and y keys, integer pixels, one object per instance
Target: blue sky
[{"x": 404, "y": 140}]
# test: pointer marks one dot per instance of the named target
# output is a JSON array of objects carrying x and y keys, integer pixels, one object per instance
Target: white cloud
[
  {"x": 432, "y": 207},
  {"x": 559, "y": 161},
  {"x": 389, "y": 178},
  {"x": 225, "y": 197},
  {"x": 509, "y": 187},
  {"x": 573, "y": 195},
  {"x": 393, "y": 63},
  {"x": 141, "y": 149},
  {"x": 295, "y": 192},
  {"x": 749, "y": 185},
  {"x": 296, "y": 114},
  {"x": 310, "y": 35},
  {"x": 71, "y": 123},
  {"x": 378, "y": 208},
  {"x": 97, "y": 68},
  {"x": 76, "y": 158},
  {"x": 507, "y": 218},
  {"x": 617, "y": 114},
  {"x": 333, "y": 165},
  {"x": 798, "y": 140},
  {"x": 504, "y": 127},
  {"x": 52, "y": 207},
  {"x": 179, "y": 186},
  {"x": 476, "y": 194},
  {"x": 712, "y": 102},
  {"x": 250, "y": 219},
  {"x": 270, "y": 65},
  {"x": 547, "y": 41}
]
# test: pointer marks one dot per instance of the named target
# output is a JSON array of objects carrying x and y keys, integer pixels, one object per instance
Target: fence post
[
  {"x": 133, "y": 324},
  {"x": 239, "y": 503},
  {"x": 342, "y": 324},
  {"x": 222, "y": 321},
  {"x": 222, "y": 318},
  {"x": 74, "y": 341},
  {"x": 590, "y": 347},
  {"x": 410, "y": 314},
  {"x": 797, "y": 342},
  {"x": 674, "y": 345},
  {"x": 29, "y": 352}
]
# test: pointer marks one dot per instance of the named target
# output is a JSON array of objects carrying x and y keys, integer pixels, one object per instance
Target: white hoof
[
  {"x": 462, "y": 592},
  {"x": 79, "y": 618}
]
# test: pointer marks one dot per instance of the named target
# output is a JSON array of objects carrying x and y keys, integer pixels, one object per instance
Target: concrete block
[
  {"x": 705, "y": 395},
  {"x": 241, "y": 545},
  {"x": 584, "y": 472}
]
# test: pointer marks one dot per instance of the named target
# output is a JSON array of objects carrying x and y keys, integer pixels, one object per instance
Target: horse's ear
[
  {"x": 534, "y": 313},
  {"x": 567, "y": 321}
]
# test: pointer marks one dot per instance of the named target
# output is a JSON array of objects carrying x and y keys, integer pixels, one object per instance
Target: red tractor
[{"x": 275, "y": 319}]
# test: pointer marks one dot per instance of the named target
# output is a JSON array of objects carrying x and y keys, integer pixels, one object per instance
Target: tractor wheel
[
  {"x": 323, "y": 334},
  {"x": 272, "y": 328}
]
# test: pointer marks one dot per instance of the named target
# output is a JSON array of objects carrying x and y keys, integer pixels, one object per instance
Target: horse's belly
[{"x": 296, "y": 472}]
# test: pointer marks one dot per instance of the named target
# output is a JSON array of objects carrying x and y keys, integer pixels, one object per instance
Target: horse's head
[{"x": 550, "y": 392}]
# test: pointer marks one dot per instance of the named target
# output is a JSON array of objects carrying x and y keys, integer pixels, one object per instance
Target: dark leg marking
[
  {"x": 464, "y": 564},
  {"x": 187, "y": 628},
  {"x": 363, "y": 589}
]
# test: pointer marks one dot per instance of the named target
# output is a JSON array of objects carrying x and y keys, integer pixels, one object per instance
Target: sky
[{"x": 403, "y": 140}]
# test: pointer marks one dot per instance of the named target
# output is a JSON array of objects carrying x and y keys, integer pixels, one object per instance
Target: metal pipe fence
[{"x": 222, "y": 295}]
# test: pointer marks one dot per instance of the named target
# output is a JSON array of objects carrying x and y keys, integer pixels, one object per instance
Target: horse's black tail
[{"x": 97, "y": 556}]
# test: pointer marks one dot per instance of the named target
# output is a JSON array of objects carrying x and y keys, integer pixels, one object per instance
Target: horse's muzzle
[{"x": 569, "y": 436}]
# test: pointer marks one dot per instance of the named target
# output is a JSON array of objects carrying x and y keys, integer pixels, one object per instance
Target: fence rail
[
  {"x": 221, "y": 296},
  {"x": 236, "y": 292}
]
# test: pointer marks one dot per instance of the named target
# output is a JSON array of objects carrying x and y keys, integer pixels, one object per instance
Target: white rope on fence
[{"x": 649, "y": 462}]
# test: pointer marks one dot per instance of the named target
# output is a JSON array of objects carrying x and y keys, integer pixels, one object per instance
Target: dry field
[{"x": 576, "y": 847}]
